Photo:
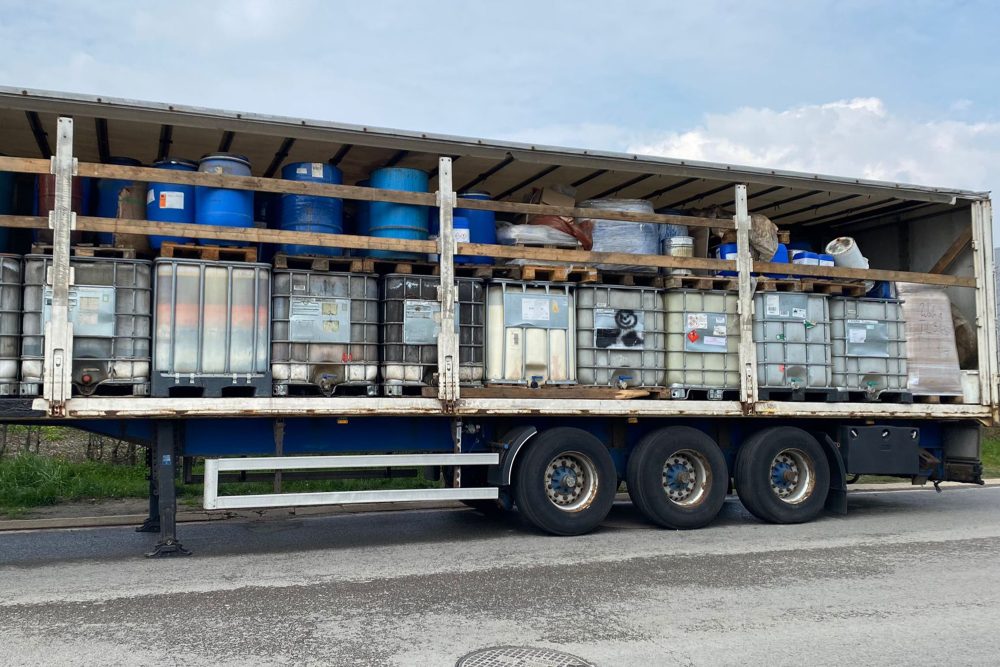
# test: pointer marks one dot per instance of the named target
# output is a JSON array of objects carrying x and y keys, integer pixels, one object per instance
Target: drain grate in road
[{"x": 520, "y": 656}]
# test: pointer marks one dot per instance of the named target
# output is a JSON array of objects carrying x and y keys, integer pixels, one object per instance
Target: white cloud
[{"x": 857, "y": 137}]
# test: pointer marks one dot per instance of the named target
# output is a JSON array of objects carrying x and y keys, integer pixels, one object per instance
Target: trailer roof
[{"x": 145, "y": 130}]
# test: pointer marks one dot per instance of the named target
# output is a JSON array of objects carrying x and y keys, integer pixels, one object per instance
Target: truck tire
[
  {"x": 677, "y": 478},
  {"x": 782, "y": 475},
  {"x": 565, "y": 483}
]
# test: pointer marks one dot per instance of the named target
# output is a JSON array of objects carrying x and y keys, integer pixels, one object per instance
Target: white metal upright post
[
  {"x": 448, "y": 338},
  {"x": 986, "y": 306},
  {"x": 58, "y": 364},
  {"x": 744, "y": 267}
]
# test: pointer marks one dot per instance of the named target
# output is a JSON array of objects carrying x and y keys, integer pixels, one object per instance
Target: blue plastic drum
[
  {"x": 221, "y": 206},
  {"x": 170, "y": 202},
  {"x": 398, "y": 221},
  {"x": 308, "y": 213},
  {"x": 108, "y": 191},
  {"x": 482, "y": 226}
]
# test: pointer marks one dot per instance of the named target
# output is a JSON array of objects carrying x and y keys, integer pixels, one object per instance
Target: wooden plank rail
[{"x": 255, "y": 235}]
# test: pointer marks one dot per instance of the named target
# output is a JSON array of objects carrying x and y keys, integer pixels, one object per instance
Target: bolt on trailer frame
[{"x": 459, "y": 416}]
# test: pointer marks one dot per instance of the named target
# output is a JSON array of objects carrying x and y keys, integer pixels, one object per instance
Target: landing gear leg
[
  {"x": 166, "y": 464},
  {"x": 152, "y": 522}
]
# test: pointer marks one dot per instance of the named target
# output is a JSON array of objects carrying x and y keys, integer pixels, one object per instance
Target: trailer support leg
[
  {"x": 166, "y": 477},
  {"x": 152, "y": 522}
]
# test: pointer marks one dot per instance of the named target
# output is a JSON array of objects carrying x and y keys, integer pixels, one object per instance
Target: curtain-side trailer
[{"x": 556, "y": 454}]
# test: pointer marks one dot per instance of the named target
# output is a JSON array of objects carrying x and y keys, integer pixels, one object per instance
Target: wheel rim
[
  {"x": 571, "y": 481},
  {"x": 793, "y": 476},
  {"x": 686, "y": 477}
]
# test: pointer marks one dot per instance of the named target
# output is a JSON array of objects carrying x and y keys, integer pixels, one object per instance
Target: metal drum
[
  {"x": 170, "y": 202},
  {"x": 479, "y": 227},
  {"x": 398, "y": 221},
  {"x": 108, "y": 192},
  {"x": 324, "y": 331},
  {"x": 411, "y": 322},
  {"x": 637, "y": 238},
  {"x": 531, "y": 333},
  {"x": 109, "y": 307},
  {"x": 308, "y": 213},
  {"x": 792, "y": 333},
  {"x": 620, "y": 339},
  {"x": 45, "y": 203},
  {"x": 11, "y": 287},
  {"x": 212, "y": 329},
  {"x": 221, "y": 206},
  {"x": 869, "y": 346},
  {"x": 703, "y": 343}
]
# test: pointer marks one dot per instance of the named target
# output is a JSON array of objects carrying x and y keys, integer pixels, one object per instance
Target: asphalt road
[{"x": 907, "y": 577}]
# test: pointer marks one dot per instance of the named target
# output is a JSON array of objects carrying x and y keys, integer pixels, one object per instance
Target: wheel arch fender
[{"x": 511, "y": 444}]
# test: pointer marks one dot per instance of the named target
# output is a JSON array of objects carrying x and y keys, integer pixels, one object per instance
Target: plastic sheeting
[
  {"x": 931, "y": 352},
  {"x": 510, "y": 234},
  {"x": 636, "y": 238}
]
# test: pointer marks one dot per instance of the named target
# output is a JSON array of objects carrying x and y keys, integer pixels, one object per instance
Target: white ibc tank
[
  {"x": 531, "y": 333},
  {"x": 620, "y": 336},
  {"x": 792, "y": 333},
  {"x": 703, "y": 342},
  {"x": 869, "y": 345}
]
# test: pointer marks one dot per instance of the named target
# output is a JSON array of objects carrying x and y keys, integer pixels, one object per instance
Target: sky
[{"x": 901, "y": 91}]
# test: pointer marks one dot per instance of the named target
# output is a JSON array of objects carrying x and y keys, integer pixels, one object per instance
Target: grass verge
[{"x": 30, "y": 480}]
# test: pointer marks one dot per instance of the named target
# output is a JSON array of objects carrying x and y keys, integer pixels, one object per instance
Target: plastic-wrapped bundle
[
  {"x": 636, "y": 238},
  {"x": 931, "y": 353},
  {"x": 510, "y": 234}
]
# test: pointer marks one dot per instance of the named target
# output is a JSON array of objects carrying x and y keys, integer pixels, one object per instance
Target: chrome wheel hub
[
  {"x": 571, "y": 481},
  {"x": 793, "y": 476},
  {"x": 686, "y": 477}
]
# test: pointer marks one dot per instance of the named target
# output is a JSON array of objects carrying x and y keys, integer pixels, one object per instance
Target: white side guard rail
[{"x": 214, "y": 466}]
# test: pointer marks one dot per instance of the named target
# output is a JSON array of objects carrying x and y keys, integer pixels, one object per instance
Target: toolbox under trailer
[{"x": 557, "y": 458}]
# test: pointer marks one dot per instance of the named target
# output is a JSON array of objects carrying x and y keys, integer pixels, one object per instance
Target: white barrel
[{"x": 846, "y": 253}]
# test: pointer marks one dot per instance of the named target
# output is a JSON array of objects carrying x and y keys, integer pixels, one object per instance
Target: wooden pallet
[
  {"x": 324, "y": 263},
  {"x": 212, "y": 253},
  {"x": 479, "y": 271},
  {"x": 555, "y": 274},
  {"x": 717, "y": 283},
  {"x": 831, "y": 287},
  {"x": 87, "y": 250},
  {"x": 630, "y": 279},
  {"x": 548, "y": 246},
  {"x": 386, "y": 266},
  {"x": 567, "y": 392}
]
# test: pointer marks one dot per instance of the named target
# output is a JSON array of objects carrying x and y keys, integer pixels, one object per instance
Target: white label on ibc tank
[
  {"x": 697, "y": 321},
  {"x": 535, "y": 308},
  {"x": 858, "y": 335},
  {"x": 312, "y": 320},
  {"x": 462, "y": 235},
  {"x": 317, "y": 170},
  {"x": 172, "y": 200},
  {"x": 715, "y": 341},
  {"x": 772, "y": 304},
  {"x": 799, "y": 313},
  {"x": 421, "y": 322}
]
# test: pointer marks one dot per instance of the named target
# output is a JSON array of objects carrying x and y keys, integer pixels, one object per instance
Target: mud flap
[{"x": 836, "y": 499}]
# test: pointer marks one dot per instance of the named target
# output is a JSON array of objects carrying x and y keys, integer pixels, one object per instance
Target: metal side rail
[{"x": 214, "y": 466}]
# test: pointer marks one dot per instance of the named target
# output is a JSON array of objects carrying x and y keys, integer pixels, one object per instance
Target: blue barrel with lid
[
  {"x": 170, "y": 202},
  {"x": 309, "y": 213},
  {"x": 482, "y": 227},
  {"x": 223, "y": 207},
  {"x": 398, "y": 221},
  {"x": 108, "y": 191}
]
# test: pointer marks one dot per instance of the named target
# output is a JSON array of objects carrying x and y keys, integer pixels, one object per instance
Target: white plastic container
[
  {"x": 846, "y": 253},
  {"x": 531, "y": 333},
  {"x": 703, "y": 342},
  {"x": 792, "y": 333},
  {"x": 620, "y": 336},
  {"x": 324, "y": 331},
  {"x": 869, "y": 345}
]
